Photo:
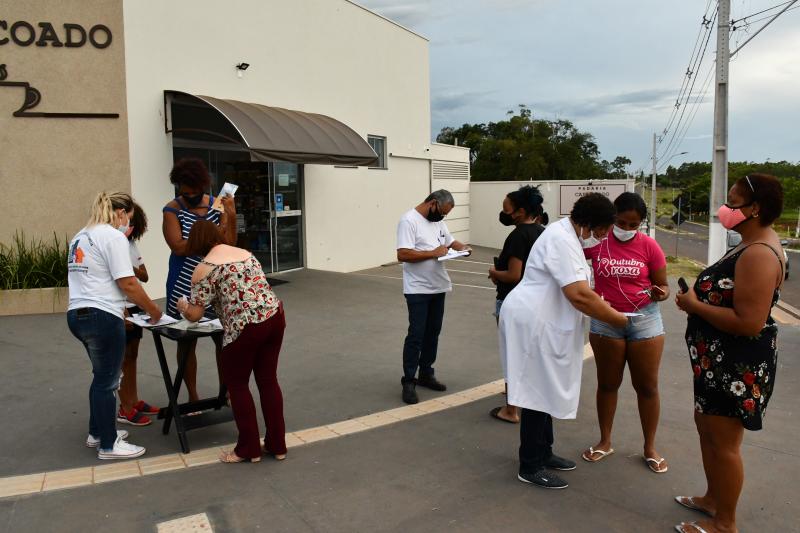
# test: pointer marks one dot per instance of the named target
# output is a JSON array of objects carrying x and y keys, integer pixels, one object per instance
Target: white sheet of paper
[
  {"x": 227, "y": 188},
  {"x": 207, "y": 325},
  {"x": 143, "y": 320},
  {"x": 633, "y": 314},
  {"x": 283, "y": 180},
  {"x": 452, "y": 254}
]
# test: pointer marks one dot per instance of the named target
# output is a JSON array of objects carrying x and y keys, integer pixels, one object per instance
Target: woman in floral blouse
[
  {"x": 231, "y": 280},
  {"x": 732, "y": 342}
]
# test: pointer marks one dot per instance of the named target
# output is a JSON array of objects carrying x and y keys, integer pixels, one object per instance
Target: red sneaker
[
  {"x": 133, "y": 418},
  {"x": 146, "y": 408}
]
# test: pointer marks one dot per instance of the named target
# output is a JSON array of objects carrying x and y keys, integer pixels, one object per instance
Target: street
[{"x": 692, "y": 242}]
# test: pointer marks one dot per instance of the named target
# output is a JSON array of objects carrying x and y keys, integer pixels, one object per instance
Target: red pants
[{"x": 256, "y": 351}]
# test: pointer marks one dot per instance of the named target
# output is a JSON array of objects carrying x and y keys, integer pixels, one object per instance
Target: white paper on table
[
  {"x": 227, "y": 188},
  {"x": 207, "y": 325},
  {"x": 143, "y": 320},
  {"x": 633, "y": 314},
  {"x": 452, "y": 254}
]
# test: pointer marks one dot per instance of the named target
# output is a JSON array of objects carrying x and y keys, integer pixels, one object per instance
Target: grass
[
  {"x": 683, "y": 267},
  {"x": 33, "y": 264}
]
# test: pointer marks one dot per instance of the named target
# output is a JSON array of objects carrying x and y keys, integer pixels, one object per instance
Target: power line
[
  {"x": 706, "y": 24},
  {"x": 688, "y": 96},
  {"x": 750, "y": 22},
  {"x": 695, "y": 61},
  {"x": 696, "y": 107},
  {"x": 770, "y": 21},
  {"x": 760, "y": 12}
]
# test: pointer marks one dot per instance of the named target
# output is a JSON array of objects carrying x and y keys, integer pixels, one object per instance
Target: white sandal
[
  {"x": 592, "y": 451},
  {"x": 655, "y": 464},
  {"x": 680, "y": 527}
]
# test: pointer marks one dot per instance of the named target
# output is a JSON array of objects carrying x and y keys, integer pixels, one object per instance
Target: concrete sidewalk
[{"x": 455, "y": 469}]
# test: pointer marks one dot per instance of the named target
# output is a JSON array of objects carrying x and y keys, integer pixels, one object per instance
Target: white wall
[
  {"x": 323, "y": 56},
  {"x": 486, "y": 201}
]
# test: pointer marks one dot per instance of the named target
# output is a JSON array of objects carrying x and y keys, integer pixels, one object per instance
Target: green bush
[{"x": 33, "y": 264}]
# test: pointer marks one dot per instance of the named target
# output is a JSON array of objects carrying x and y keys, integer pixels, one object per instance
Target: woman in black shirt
[{"x": 521, "y": 208}]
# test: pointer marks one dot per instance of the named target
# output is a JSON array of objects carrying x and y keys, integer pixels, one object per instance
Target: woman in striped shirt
[{"x": 192, "y": 179}]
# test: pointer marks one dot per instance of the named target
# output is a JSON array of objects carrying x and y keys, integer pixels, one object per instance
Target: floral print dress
[
  {"x": 240, "y": 294},
  {"x": 733, "y": 375}
]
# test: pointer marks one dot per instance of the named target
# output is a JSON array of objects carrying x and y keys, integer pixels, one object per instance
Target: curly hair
[
  {"x": 139, "y": 222},
  {"x": 630, "y": 201},
  {"x": 192, "y": 172},
  {"x": 528, "y": 198},
  {"x": 767, "y": 191},
  {"x": 593, "y": 211}
]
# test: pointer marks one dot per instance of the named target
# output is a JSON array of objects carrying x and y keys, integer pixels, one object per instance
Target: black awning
[{"x": 277, "y": 134}]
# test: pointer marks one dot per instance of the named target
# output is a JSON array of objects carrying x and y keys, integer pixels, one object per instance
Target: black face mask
[
  {"x": 506, "y": 219},
  {"x": 193, "y": 201},
  {"x": 434, "y": 217}
]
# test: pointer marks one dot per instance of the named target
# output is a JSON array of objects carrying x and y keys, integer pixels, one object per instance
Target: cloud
[
  {"x": 409, "y": 13},
  {"x": 450, "y": 101},
  {"x": 628, "y": 102}
]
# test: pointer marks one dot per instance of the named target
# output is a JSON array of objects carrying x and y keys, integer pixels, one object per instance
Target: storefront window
[{"x": 379, "y": 145}]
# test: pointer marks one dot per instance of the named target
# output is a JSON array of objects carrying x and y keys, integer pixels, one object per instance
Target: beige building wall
[
  {"x": 322, "y": 56},
  {"x": 486, "y": 198},
  {"x": 51, "y": 168}
]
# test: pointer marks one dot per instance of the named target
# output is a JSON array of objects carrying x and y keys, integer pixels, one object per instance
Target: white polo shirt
[
  {"x": 415, "y": 232},
  {"x": 98, "y": 256}
]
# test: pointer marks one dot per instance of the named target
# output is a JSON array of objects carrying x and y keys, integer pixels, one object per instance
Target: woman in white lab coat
[{"x": 542, "y": 333}]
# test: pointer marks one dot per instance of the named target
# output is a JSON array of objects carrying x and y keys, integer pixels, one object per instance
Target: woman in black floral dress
[{"x": 732, "y": 342}]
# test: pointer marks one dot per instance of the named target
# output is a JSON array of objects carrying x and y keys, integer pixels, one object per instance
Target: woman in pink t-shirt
[{"x": 630, "y": 273}]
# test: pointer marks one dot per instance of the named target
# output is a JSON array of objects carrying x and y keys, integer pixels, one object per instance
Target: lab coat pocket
[{"x": 557, "y": 344}]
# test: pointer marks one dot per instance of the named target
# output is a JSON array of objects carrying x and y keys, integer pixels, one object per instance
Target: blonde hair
[{"x": 105, "y": 204}]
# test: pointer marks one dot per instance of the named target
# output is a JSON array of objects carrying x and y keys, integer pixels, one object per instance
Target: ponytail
[
  {"x": 528, "y": 198},
  {"x": 105, "y": 204}
]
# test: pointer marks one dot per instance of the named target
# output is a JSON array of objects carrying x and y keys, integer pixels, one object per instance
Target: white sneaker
[
  {"x": 122, "y": 450},
  {"x": 94, "y": 442}
]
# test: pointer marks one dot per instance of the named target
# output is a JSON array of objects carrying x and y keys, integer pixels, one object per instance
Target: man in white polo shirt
[{"x": 422, "y": 237}]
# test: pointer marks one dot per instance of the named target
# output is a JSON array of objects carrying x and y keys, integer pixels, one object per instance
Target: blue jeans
[
  {"x": 103, "y": 336},
  {"x": 639, "y": 328},
  {"x": 425, "y": 316}
]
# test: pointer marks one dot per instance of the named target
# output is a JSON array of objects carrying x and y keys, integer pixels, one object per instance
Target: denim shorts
[{"x": 639, "y": 328}]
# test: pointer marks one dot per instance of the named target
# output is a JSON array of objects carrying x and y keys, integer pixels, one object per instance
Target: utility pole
[
  {"x": 719, "y": 162},
  {"x": 653, "y": 193}
]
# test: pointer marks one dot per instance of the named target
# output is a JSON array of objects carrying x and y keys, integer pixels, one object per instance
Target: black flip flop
[{"x": 494, "y": 413}]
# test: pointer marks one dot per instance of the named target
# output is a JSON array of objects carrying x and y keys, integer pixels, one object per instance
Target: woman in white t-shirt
[
  {"x": 100, "y": 277},
  {"x": 132, "y": 410}
]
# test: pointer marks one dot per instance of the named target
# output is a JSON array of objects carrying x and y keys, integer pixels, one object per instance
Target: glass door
[
  {"x": 288, "y": 215},
  {"x": 269, "y": 200}
]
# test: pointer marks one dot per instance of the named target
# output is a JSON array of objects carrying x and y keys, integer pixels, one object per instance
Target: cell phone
[{"x": 683, "y": 285}]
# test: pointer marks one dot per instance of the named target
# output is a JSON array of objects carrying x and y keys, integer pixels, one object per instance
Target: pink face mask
[{"x": 730, "y": 217}]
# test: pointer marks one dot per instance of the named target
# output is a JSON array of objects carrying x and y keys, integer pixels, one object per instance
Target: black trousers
[
  {"x": 535, "y": 440},
  {"x": 425, "y": 316}
]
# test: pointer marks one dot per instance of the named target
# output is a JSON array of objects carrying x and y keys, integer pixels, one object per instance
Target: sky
[{"x": 614, "y": 68}]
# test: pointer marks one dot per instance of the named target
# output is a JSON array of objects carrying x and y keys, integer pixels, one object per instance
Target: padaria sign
[{"x": 70, "y": 35}]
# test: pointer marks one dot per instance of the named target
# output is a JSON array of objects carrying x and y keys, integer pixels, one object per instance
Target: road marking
[
  {"x": 454, "y": 284},
  {"x": 149, "y": 466},
  {"x": 474, "y": 262},
  {"x": 188, "y": 524}
]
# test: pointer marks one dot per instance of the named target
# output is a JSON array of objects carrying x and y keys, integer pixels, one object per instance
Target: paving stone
[
  {"x": 113, "y": 472},
  {"x": 18, "y": 485},
  {"x": 64, "y": 479},
  {"x": 163, "y": 463}
]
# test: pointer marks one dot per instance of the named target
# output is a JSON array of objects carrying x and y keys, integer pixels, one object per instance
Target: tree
[{"x": 523, "y": 148}]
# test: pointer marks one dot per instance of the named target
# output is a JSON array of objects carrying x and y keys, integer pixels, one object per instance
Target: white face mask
[
  {"x": 125, "y": 227},
  {"x": 624, "y": 235},
  {"x": 589, "y": 242}
]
